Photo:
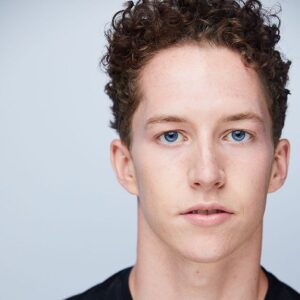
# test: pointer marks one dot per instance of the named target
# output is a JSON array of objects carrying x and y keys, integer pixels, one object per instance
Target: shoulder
[
  {"x": 279, "y": 290},
  {"x": 114, "y": 287}
]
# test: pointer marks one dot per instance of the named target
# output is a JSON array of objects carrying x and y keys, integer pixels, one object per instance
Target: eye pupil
[
  {"x": 171, "y": 136},
  {"x": 238, "y": 135}
]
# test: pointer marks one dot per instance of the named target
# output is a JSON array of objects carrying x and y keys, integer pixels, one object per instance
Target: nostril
[{"x": 209, "y": 184}]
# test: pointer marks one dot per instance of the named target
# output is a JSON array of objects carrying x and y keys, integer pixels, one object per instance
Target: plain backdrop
[{"x": 65, "y": 222}]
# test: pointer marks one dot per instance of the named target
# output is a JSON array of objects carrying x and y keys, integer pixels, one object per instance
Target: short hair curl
[{"x": 140, "y": 30}]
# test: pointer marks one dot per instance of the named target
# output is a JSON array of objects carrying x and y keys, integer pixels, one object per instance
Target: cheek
[
  {"x": 156, "y": 193},
  {"x": 249, "y": 178},
  {"x": 160, "y": 175}
]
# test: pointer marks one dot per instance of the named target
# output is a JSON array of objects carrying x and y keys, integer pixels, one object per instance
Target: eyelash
[{"x": 250, "y": 136}]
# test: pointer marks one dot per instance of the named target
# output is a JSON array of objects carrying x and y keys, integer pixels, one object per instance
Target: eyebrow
[
  {"x": 164, "y": 119},
  {"x": 176, "y": 119},
  {"x": 244, "y": 116}
]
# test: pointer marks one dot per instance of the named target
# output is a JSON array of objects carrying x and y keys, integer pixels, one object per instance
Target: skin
[{"x": 203, "y": 160}]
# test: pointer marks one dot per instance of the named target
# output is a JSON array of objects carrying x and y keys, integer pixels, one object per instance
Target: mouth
[
  {"x": 207, "y": 215},
  {"x": 207, "y": 212}
]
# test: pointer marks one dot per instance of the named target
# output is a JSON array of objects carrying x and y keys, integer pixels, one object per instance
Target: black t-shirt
[{"x": 116, "y": 288}]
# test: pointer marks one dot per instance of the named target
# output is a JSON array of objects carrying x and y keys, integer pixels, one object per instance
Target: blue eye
[
  {"x": 239, "y": 135},
  {"x": 169, "y": 137}
]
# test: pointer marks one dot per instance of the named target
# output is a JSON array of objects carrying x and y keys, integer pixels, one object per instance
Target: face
[{"x": 200, "y": 135}]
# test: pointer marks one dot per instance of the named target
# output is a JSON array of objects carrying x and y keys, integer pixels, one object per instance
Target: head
[{"x": 198, "y": 112}]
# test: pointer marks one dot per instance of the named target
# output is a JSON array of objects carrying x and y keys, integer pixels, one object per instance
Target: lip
[
  {"x": 207, "y": 220},
  {"x": 210, "y": 206}
]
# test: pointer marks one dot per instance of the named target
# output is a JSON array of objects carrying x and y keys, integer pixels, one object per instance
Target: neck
[{"x": 159, "y": 273}]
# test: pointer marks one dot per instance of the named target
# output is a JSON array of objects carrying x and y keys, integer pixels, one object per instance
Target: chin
[
  {"x": 205, "y": 253},
  {"x": 205, "y": 258}
]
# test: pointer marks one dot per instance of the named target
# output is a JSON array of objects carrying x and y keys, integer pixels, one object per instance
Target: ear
[
  {"x": 123, "y": 166},
  {"x": 280, "y": 165}
]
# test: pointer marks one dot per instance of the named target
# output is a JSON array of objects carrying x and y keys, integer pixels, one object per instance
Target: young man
[{"x": 199, "y": 102}]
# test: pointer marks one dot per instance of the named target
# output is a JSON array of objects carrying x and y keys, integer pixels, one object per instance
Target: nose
[{"x": 205, "y": 170}]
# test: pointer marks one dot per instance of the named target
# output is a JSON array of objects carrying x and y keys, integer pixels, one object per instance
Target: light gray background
[{"x": 65, "y": 223}]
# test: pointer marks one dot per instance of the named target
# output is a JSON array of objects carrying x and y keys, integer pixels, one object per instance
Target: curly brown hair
[{"x": 140, "y": 30}]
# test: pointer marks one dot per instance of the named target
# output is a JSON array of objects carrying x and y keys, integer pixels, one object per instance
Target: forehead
[{"x": 201, "y": 83}]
